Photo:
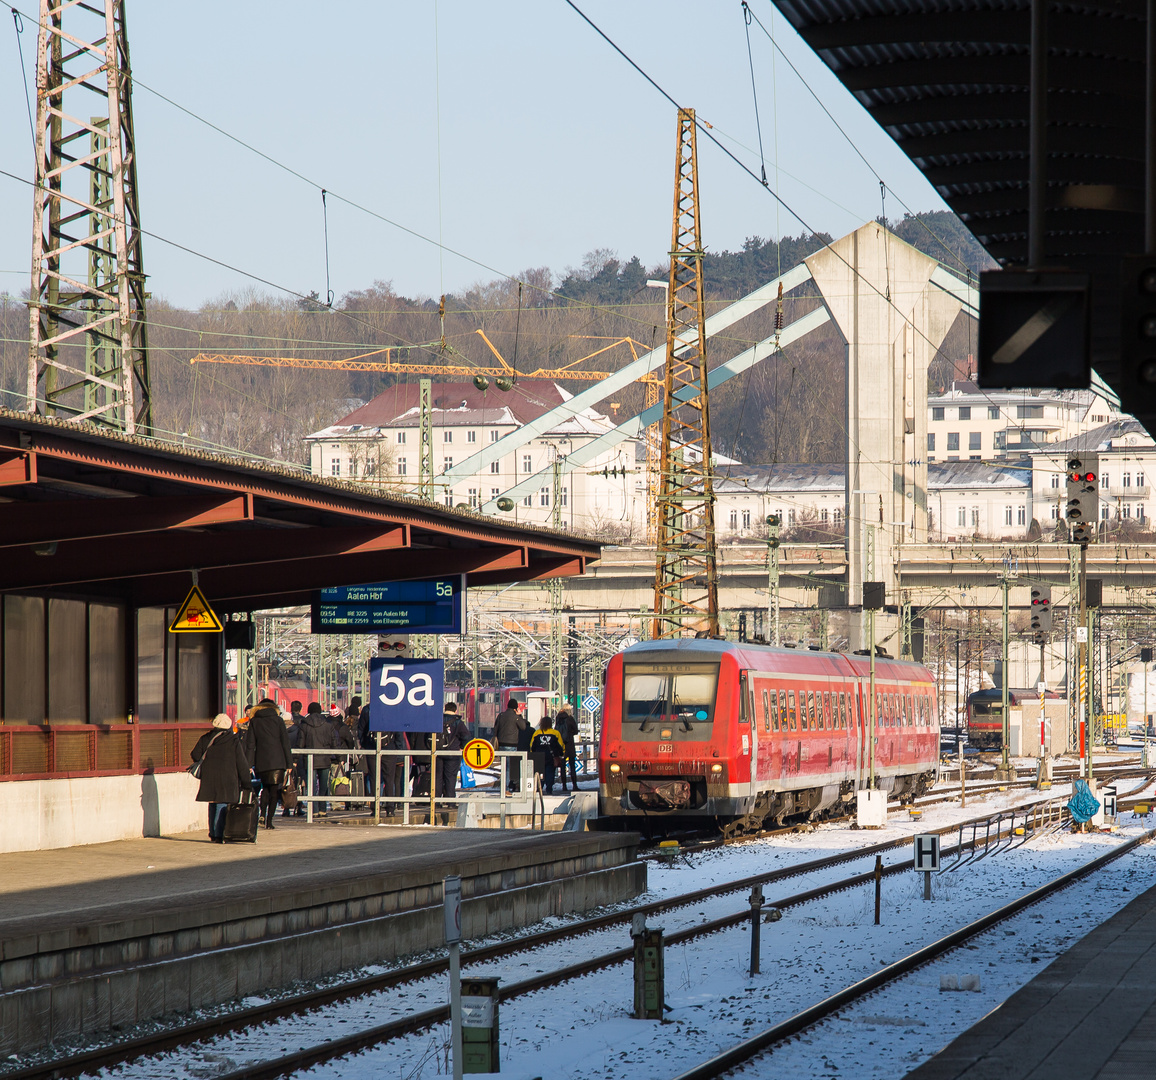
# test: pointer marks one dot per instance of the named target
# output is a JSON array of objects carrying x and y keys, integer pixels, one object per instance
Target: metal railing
[{"x": 423, "y": 806}]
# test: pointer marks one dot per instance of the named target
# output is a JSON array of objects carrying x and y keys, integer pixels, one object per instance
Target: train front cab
[{"x": 670, "y": 745}]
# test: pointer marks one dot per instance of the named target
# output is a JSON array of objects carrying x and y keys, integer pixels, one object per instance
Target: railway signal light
[
  {"x": 1138, "y": 331},
  {"x": 1083, "y": 496},
  {"x": 1042, "y": 609}
]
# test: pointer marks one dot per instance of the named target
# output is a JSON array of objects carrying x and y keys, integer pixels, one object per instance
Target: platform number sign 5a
[
  {"x": 926, "y": 852},
  {"x": 406, "y": 695}
]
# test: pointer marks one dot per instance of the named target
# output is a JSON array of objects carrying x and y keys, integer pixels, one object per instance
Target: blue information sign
[
  {"x": 427, "y": 606},
  {"x": 406, "y": 695}
]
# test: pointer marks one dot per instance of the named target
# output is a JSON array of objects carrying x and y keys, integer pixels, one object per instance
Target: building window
[
  {"x": 335, "y": 466},
  {"x": 953, "y": 440},
  {"x": 1126, "y": 480},
  {"x": 734, "y": 519},
  {"x": 1139, "y": 478},
  {"x": 1104, "y": 482},
  {"x": 973, "y": 440},
  {"x": 565, "y": 497},
  {"x": 993, "y": 412},
  {"x": 448, "y": 464},
  {"x": 473, "y": 498},
  {"x": 544, "y": 496},
  {"x": 931, "y": 442},
  {"x": 1055, "y": 481},
  {"x": 449, "y": 498},
  {"x": 838, "y": 515},
  {"x": 495, "y": 466},
  {"x": 1029, "y": 412},
  {"x": 1103, "y": 513},
  {"x": 401, "y": 466},
  {"x": 746, "y": 519},
  {"x": 471, "y": 436},
  {"x": 495, "y": 436},
  {"x": 401, "y": 438},
  {"x": 447, "y": 436},
  {"x": 1126, "y": 510},
  {"x": 975, "y": 517},
  {"x": 961, "y": 517},
  {"x": 937, "y": 412},
  {"x": 1007, "y": 515},
  {"x": 527, "y": 500},
  {"x": 1140, "y": 511},
  {"x": 1021, "y": 515},
  {"x": 965, "y": 412},
  {"x": 1055, "y": 512},
  {"x": 527, "y": 466},
  {"x": 791, "y": 517}
]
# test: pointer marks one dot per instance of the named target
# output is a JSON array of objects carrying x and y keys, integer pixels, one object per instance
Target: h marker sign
[{"x": 926, "y": 852}]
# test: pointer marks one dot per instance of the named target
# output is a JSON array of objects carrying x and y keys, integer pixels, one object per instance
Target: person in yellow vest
[{"x": 548, "y": 750}]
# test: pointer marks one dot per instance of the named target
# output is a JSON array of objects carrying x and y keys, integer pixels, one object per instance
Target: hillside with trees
[{"x": 786, "y": 409}]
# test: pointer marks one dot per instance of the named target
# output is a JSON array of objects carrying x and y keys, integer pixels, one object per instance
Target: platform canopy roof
[
  {"x": 94, "y": 514},
  {"x": 948, "y": 80}
]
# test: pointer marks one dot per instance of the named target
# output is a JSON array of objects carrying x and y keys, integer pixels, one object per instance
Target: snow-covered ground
[{"x": 583, "y": 1028}]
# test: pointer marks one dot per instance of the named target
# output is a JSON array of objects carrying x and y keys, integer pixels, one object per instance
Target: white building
[{"x": 970, "y": 424}]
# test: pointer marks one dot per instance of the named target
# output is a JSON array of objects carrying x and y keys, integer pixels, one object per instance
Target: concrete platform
[
  {"x": 105, "y": 936},
  {"x": 1089, "y": 1015}
]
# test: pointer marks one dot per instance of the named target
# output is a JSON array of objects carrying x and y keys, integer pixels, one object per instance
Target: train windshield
[{"x": 678, "y": 696}]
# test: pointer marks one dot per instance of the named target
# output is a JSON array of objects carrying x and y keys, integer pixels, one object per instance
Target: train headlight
[
  {"x": 716, "y": 768},
  {"x": 615, "y": 768}
]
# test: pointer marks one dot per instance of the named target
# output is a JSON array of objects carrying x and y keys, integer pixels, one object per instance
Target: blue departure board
[{"x": 427, "y": 606}]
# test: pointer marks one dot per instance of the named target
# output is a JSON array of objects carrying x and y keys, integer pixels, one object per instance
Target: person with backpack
[
  {"x": 223, "y": 775},
  {"x": 453, "y": 740},
  {"x": 548, "y": 749},
  {"x": 316, "y": 733},
  {"x": 567, "y": 727}
]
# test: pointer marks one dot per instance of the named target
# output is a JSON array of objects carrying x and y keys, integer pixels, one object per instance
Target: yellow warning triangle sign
[{"x": 195, "y": 616}]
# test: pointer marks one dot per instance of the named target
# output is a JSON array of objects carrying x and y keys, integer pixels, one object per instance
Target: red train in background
[
  {"x": 481, "y": 709},
  {"x": 694, "y": 730}
]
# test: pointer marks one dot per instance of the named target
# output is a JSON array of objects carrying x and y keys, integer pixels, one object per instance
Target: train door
[
  {"x": 859, "y": 720},
  {"x": 767, "y": 721}
]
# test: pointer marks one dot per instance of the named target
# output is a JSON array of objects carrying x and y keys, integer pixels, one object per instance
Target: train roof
[{"x": 778, "y": 658}]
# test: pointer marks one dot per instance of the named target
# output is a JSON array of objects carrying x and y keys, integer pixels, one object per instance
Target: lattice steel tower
[
  {"x": 686, "y": 577},
  {"x": 88, "y": 355}
]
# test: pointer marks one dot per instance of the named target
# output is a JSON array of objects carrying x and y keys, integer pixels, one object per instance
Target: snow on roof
[
  {"x": 832, "y": 477},
  {"x": 462, "y": 404},
  {"x": 1099, "y": 438}
]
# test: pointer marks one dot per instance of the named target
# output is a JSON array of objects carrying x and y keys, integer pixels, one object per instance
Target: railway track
[
  {"x": 750, "y": 1048},
  {"x": 128, "y": 1051}
]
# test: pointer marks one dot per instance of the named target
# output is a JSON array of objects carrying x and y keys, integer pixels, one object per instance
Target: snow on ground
[{"x": 583, "y": 1028}]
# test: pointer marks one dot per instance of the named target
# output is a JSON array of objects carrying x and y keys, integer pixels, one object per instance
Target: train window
[
  {"x": 811, "y": 709},
  {"x": 843, "y": 710},
  {"x": 791, "y": 708},
  {"x": 681, "y": 693},
  {"x": 892, "y": 711},
  {"x": 767, "y": 712},
  {"x": 781, "y": 724},
  {"x": 820, "y": 712},
  {"x": 828, "y": 713},
  {"x": 910, "y": 710}
]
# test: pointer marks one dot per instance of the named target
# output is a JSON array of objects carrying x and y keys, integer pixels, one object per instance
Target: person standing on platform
[
  {"x": 567, "y": 727},
  {"x": 224, "y": 772},
  {"x": 453, "y": 740},
  {"x": 272, "y": 756},
  {"x": 316, "y": 733},
  {"x": 294, "y": 724},
  {"x": 547, "y": 747},
  {"x": 508, "y": 728},
  {"x": 345, "y": 739}
]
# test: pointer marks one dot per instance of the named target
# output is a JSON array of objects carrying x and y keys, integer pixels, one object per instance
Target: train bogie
[{"x": 698, "y": 730}]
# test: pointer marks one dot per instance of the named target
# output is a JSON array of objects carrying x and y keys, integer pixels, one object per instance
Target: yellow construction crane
[{"x": 503, "y": 374}]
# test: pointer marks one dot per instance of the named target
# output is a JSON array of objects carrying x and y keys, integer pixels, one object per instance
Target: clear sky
[{"x": 550, "y": 144}]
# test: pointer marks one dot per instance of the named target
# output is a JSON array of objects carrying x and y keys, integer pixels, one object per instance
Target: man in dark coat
[
  {"x": 295, "y": 718},
  {"x": 316, "y": 733},
  {"x": 272, "y": 756},
  {"x": 453, "y": 740},
  {"x": 224, "y": 772},
  {"x": 508, "y": 729},
  {"x": 567, "y": 727}
]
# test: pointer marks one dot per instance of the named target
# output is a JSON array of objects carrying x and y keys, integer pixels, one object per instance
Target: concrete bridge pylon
[{"x": 879, "y": 291}]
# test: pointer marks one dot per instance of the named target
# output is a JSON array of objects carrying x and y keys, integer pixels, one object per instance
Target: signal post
[{"x": 1082, "y": 513}]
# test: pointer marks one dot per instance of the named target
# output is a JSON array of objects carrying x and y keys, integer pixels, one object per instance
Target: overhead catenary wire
[{"x": 18, "y": 23}]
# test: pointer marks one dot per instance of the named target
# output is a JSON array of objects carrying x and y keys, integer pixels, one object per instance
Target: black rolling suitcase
[{"x": 241, "y": 820}]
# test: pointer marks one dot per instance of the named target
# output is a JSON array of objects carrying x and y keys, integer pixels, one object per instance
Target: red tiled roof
[{"x": 529, "y": 399}]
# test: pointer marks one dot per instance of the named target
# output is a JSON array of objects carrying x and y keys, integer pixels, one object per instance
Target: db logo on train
[{"x": 478, "y": 754}]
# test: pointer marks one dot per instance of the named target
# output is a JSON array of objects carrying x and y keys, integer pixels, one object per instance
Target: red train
[
  {"x": 480, "y": 715},
  {"x": 745, "y": 734}
]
